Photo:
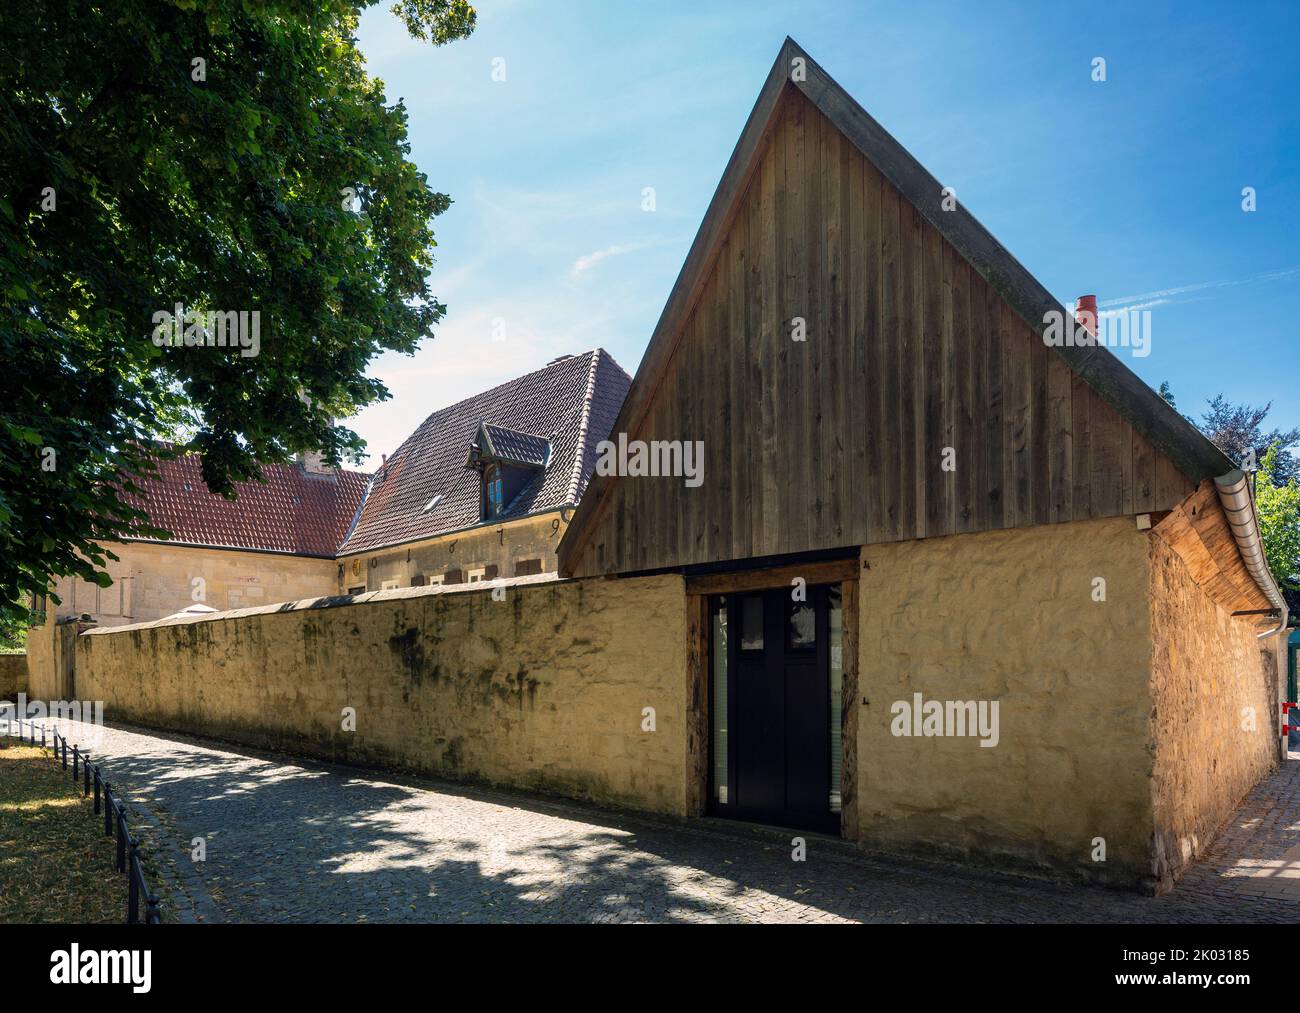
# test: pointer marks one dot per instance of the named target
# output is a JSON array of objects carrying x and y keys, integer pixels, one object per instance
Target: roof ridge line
[
  {"x": 584, "y": 428},
  {"x": 484, "y": 393}
]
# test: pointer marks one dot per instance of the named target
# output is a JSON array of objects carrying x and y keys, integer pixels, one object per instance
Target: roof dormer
[{"x": 506, "y": 460}]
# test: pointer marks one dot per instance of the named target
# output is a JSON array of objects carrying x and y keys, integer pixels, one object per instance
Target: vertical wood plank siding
[{"x": 838, "y": 440}]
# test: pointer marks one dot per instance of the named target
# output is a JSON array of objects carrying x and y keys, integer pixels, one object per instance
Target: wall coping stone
[{"x": 340, "y": 601}]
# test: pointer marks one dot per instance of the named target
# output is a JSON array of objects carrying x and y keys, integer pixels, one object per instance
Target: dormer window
[
  {"x": 493, "y": 490},
  {"x": 508, "y": 462}
]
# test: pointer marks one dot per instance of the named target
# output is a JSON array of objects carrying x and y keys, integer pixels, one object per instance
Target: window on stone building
[{"x": 492, "y": 486}]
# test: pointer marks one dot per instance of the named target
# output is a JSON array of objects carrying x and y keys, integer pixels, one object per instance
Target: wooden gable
[{"x": 910, "y": 346}]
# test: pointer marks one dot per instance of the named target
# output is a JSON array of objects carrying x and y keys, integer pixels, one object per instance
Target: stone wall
[
  {"x": 545, "y": 689},
  {"x": 1215, "y": 713},
  {"x": 1120, "y": 689},
  {"x": 40, "y": 658},
  {"x": 51, "y": 653},
  {"x": 13, "y": 675},
  {"x": 1010, "y": 617}
]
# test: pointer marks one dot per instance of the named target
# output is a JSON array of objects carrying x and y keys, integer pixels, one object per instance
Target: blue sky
[{"x": 1129, "y": 188}]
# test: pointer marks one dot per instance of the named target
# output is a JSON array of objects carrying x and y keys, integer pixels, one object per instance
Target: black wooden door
[{"x": 778, "y": 703}]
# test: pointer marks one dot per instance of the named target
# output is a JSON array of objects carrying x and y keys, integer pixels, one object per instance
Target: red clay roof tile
[{"x": 293, "y": 511}]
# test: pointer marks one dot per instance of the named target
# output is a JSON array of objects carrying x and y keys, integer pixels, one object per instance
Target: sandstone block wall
[
  {"x": 1215, "y": 713},
  {"x": 546, "y": 689},
  {"x": 50, "y": 657}
]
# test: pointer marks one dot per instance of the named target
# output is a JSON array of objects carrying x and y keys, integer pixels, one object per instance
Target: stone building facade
[{"x": 276, "y": 541}]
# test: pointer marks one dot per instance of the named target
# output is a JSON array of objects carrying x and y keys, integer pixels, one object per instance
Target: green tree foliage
[
  {"x": 225, "y": 155},
  {"x": 1237, "y": 429},
  {"x": 1278, "y": 505}
]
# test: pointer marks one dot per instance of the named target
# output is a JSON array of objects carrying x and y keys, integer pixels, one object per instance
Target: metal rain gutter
[{"x": 1238, "y": 503}]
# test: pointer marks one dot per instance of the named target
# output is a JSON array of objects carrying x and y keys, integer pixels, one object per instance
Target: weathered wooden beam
[
  {"x": 1197, "y": 530},
  {"x": 697, "y": 714},
  {"x": 831, "y": 572},
  {"x": 850, "y": 698}
]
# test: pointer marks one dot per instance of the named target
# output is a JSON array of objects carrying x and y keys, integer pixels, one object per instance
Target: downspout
[{"x": 1239, "y": 504}]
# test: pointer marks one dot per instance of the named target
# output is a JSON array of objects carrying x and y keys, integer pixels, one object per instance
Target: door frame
[{"x": 698, "y": 732}]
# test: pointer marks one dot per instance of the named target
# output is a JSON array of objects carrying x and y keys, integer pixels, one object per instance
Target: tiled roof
[
  {"x": 293, "y": 511},
  {"x": 512, "y": 445},
  {"x": 571, "y": 403}
]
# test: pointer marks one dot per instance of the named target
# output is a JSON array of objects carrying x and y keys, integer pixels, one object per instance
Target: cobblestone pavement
[{"x": 289, "y": 840}]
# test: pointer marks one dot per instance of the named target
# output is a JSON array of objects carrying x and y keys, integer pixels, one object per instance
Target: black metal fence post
[
  {"x": 92, "y": 779},
  {"x": 121, "y": 836},
  {"x": 133, "y": 887}
]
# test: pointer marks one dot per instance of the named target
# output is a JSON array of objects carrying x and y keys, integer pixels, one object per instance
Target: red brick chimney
[{"x": 1085, "y": 312}]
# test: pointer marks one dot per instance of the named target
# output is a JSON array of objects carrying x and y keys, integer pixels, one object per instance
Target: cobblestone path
[{"x": 291, "y": 840}]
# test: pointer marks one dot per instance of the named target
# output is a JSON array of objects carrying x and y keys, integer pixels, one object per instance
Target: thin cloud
[
  {"x": 590, "y": 260},
  {"x": 1145, "y": 300},
  {"x": 1129, "y": 308}
]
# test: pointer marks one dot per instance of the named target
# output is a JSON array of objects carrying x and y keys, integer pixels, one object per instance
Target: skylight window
[{"x": 432, "y": 503}]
